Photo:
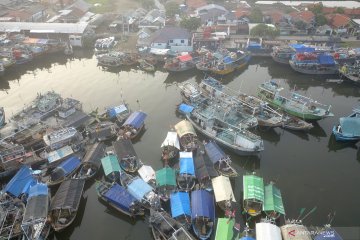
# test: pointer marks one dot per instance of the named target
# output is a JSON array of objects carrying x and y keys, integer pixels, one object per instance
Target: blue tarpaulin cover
[
  {"x": 254, "y": 45},
  {"x": 350, "y": 126},
  {"x": 247, "y": 238},
  {"x": 185, "y": 108},
  {"x": 187, "y": 164},
  {"x": 21, "y": 182},
  {"x": 214, "y": 152},
  {"x": 70, "y": 164},
  {"x": 136, "y": 119},
  {"x": 326, "y": 59},
  {"x": 114, "y": 111},
  {"x": 38, "y": 189},
  {"x": 328, "y": 234},
  {"x": 180, "y": 204},
  {"x": 202, "y": 204},
  {"x": 301, "y": 48},
  {"x": 138, "y": 188},
  {"x": 227, "y": 60},
  {"x": 120, "y": 197}
]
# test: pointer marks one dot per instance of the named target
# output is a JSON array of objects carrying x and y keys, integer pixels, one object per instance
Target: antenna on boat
[
  {"x": 312, "y": 210},
  {"x": 302, "y": 210},
  {"x": 331, "y": 217}
]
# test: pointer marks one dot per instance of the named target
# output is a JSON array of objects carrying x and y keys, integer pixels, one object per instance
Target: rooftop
[
  {"x": 165, "y": 34},
  {"x": 44, "y": 27}
]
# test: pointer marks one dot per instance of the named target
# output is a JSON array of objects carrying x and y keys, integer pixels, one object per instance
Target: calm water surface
[{"x": 311, "y": 169}]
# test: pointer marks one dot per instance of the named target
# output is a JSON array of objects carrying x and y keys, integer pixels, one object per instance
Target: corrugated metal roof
[{"x": 44, "y": 27}]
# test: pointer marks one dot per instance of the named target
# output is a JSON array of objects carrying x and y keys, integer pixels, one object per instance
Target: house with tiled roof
[
  {"x": 340, "y": 23},
  {"x": 210, "y": 12},
  {"x": 29, "y": 12},
  {"x": 194, "y": 4},
  {"x": 173, "y": 38},
  {"x": 305, "y": 16}
]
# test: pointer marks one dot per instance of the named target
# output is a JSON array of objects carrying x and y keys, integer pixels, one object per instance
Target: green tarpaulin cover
[
  {"x": 224, "y": 229},
  {"x": 253, "y": 187},
  {"x": 165, "y": 176},
  {"x": 110, "y": 164},
  {"x": 273, "y": 200}
]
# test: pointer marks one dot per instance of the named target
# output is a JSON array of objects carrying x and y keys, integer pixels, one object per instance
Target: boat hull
[
  {"x": 341, "y": 138},
  {"x": 351, "y": 78},
  {"x": 316, "y": 71},
  {"x": 280, "y": 60}
]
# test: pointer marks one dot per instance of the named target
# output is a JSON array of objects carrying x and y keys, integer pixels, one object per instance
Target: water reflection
[
  {"x": 334, "y": 145},
  {"x": 268, "y": 134}
]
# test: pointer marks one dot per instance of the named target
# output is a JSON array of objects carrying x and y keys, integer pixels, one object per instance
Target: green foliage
[
  {"x": 191, "y": 23},
  {"x": 172, "y": 8},
  {"x": 340, "y": 10},
  {"x": 320, "y": 20},
  {"x": 317, "y": 9},
  {"x": 256, "y": 15},
  {"x": 263, "y": 30},
  {"x": 300, "y": 25}
]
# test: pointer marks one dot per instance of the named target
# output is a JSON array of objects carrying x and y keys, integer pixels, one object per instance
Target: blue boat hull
[{"x": 340, "y": 137}]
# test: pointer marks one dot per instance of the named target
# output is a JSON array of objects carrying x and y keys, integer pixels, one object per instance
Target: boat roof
[
  {"x": 203, "y": 166},
  {"x": 166, "y": 176},
  {"x": 326, "y": 59},
  {"x": 185, "y": 58},
  {"x": 147, "y": 173},
  {"x": 350, "y": 126},
  {"x": 214, "y": 152},
  {"x": 37, "y": 203},
  {"x": 222, "y": 189},
  {"x": 59, "y": 153},
  {"x": 119, "y": 196},
  {"x": 187, "y": 163},
  {"x": 267, "y": 231},
  {"x": 273, "y": 200},
  {"x": 224, "y": 229},
  {"x": 180, "y": 204},
  {"x": 68, "y": 195},
  {"x": 184, "y": 108},
  {"x": 136, "y": 119},
  {"x": 171, "y": 140},
  {"x": 124, "y": 148},
  {"x": 184, "y": 127},
  {"x": 253, "y": 187},
  {"x": 110, "y": 164},
  {"x": 213, "y": 83},
  {"x": 327, "y": 234},
  {"x": 138, "y": 188},
  {"x": 202, "y": 204},
  {"x": 291, "y": 227},
  {"x": 114, "y": 111},
  {"x": 95, "y": 153},
  {"x": 70, "y": 164},
  {"x": 21, "y": 182},
  {"x": 38, "y": 189},
  {"x": 300, "y": 48}
]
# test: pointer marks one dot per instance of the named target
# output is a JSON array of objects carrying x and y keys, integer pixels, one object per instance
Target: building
[
  {"x": 209, "y": 13},
  {"x": 174, "y": 38},
  {"x": 324, "y": 30},
  {"x": 153, "y": 19},
  {"x": 27, "y": 12},
  {"x": 341, "y": 23}
]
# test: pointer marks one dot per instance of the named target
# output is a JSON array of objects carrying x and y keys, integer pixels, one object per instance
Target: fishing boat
[
  {"x": 344, "y": 56},
  {"x": 223, "y": 192},
  {"x": 35, "y": 222},
  {"x": 349, "y": 127},
  {"x": 103, "y": 45},
  {"x": 111, "y": 167},
  {"x": 189, "y": 92},
  {"x": 253, "y": 194},
  {"x": 311, "y": 63},
  {"x": 144, "y": 193},
  {"x": 63, "y": 171},
  {"x": 202, "y": 213},
  {"x": 180, "y": 208},
  {"x": 146, "y": 66},
  {"x": 111, "y": 59},
  {"x": 119, "y": 198},
  {"x": 187, "y": 135},
  {"x": 147, "y": 173},
  {"x": 20, "y": 184},
  {"x": 2, "y": 117},
  {"x": 257, "y": 48},
  {"x": 296, "y": 105},
  {"x": 221, "y": 161},
  {"x": 133, "y": 124},
  {"x": 251, "y": 105},
  {"x": 57, "y": 156},
  {"x": 126, "y": 155},
  {"x": 328, "y": 233},
  {"x": 267, "y": 230},
  {"x": 170, "y": 147},
  {"x": 224, "y": 229},
  {"x": 351, "y": 72},
  {"x": 186, "y": 178},
  {"x": 295, "y": 123},
  {"x": 273, "y": 203},
  {"x": 102, "y": 131},
  {"x": 294, "y": 227},
  {"x": 92, "y": 161},
  {"x": 118, "y": 113},
  {"x": 22, "y": 56},
  {"x": 165, "y": 182},
  {"x": 204, "y": 169},
  {"x": 180, "y": 63},
  {"x": 282, "y": 54},
  {"x": 59, "y": 138},
  {"x": 12, "y": 212},
  {"x": 65, "y": 204}
]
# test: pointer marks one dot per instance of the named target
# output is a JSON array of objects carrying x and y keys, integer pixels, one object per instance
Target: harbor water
[{"x": 311, "y": 169}]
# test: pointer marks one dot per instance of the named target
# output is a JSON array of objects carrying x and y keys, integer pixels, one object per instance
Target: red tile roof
[
  {"x": 19, "y": 15},
  {"x": 305, "y": 16},
  {"x": 242, "y": 12},
  {"x": 193, "y": 4},
  {"x": 354, "y": 11},
  {"x": 338, "y": 20},
  {"x": 276, "y": 16}
]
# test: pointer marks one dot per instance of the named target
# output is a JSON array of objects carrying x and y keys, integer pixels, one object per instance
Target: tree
[
  {"x": 317, "y": 9},
  {"x": 172, "y": 8},
  {"x": 263, "y": 30},
  {"x": 256, "y": 15},
  {"x": 340, "y": 10},
  {"x": 191, "y": 23},
  {"x": 301, "y": 25},
  {"x": 320, "y": 20}
]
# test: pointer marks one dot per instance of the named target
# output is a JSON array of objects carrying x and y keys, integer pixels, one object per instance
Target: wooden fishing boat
[
  {"x": 204, "y": 169},
  {"x": 294, "y": 227},
  {"x": 189, "y": 92},
  {"x": 267, "y": 231},
  {"x": 62, "y": 137},
  {"x": 224, "y": 229},
  {"x": 35, "y": 220},
  {"x": 257, "y": 48},
  {"x": 311, "y": 63},
  {"x": 144, "y": 193},
  {"x": 273, "y": 204},
  {"x": 186, "y": 178},
  {"x": 253, "y": 194},
  {"x": 12, "y": 212},
  {"x": 111, "y": 167},
  {"x": 165, "y": 182},
  {"x": 295, "y": 124},
  {"x": 180, "y": 208},
  {"x": 170, "y": 147},
  {"x": 146, "y": 66},
  {"x": 126, "y": 155},
  {"x": 54, "y": 158},
  {"x": 119, "y": 198},
  {"x": 92, "y": 161},
  {"x": 65, "y": 204},
  {"x": 118, "y": 113},
  {"x": 63, "y": 171},
  {"x": 2, "y": 117},
  {"x": 102, "y": 131},
  {"x": 180, "y": 63},
  {"x": 133, "y": 125},
  {"x": 221, "y": 161},
  {"x": 202, "y": 213},
  {"x": 147, "y": 173},
  {"x": 19, "y": 185},
  {"x": 349, "y": 127},
  {"x": 223, "y": 192},
  {"x": 187, "y": 135},
  {"x": 351, "y": 72},
  {"x": 297, "y": 105}
]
